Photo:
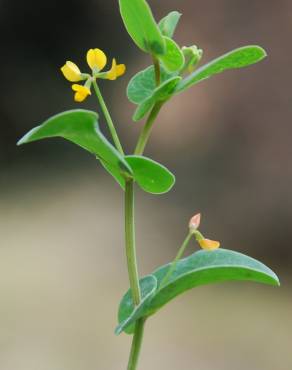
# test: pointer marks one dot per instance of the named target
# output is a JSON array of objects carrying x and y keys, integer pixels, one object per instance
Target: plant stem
[
  {"x": 136, "y": 344},
  {"x": 130, "y": 230},
  {"x": 130, "y": 241},
  {"x": 132, "y": 271},
  {"x": 108, "y": 118},
  {"x": 156, "y": 69},
  {"x": 146, "y": 131},
  {"x": 177, "y": 258}
]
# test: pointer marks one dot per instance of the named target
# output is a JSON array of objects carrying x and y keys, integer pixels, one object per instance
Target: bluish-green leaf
[
  {"x": 205, "y": 267},
  {"x": 151, "y": 176},
  {"x": 141, "y": 26},
  {"x": 238, "y": 58},
  {"x": 173, "y": 60},
  {"x": 162, "y": 93},
  {"x": 143, "y": 84},
  {"x": 168, "y": 24},
  {"x": 80, "y": 127},
  {"x": 128, "y": 313}
]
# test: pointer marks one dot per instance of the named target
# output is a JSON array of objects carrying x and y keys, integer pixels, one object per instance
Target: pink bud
[{"x": 195, "y": 222}]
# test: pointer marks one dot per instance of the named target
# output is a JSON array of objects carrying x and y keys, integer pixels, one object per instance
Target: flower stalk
[{"x": 108, "y": 118}]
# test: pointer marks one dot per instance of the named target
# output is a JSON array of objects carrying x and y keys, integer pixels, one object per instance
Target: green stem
[
  {"x": 146, "y": 131},
  {"x": 177, "y": 258},
  {"x": 157, "y": 70},
  {"x": 130, "y": 242},
  {"x": 130, "y": 231},
  {"x": 132, "y": 271},
  {"x": 108, "y": 118},
  {"x": 136, "y": 344}
]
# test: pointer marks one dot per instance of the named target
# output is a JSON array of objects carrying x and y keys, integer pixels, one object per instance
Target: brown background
[{"x": 228, "y": 141}]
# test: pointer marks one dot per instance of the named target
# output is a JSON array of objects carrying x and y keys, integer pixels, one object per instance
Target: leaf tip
[{"x": 118, "y": 330}]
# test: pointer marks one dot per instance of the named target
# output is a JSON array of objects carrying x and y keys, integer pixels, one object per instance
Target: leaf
[
  {"x": 162, "y": 93},
  {"x": 142, "y": 85},
  {"x": 143, "y": 109},
  {"x": 173, "y": 60},
  {"x": 168, "y": 24},
  {"x": 128, "y": 313},
  {"x": 206, "y": 267},
  {"x": 80, "y": 127},
  {"x": 151, "y": 176},
  {"x": 113, "y": 171},
  {"x": 141, "y": 26},
  {"x": 237, "y": 58}
]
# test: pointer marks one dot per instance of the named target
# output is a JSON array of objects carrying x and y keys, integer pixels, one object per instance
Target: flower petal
[
  {"x": 81, "y": 92},
  {"x": 71, "y": 72},
  {"x": 96, "y": 58},
  {"x": 209, "y": 244},
  {"x": 115, "y": 71}
]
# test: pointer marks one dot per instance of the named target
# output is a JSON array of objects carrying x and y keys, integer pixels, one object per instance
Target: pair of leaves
[
  {"x": 81, "y": 127},
  {"x": 142, "y": 89},
  {"x": 150, "y": 37},
  {"x": 151, "y": 176},
  {"x": 141, "y": 26},
  {"x": 200, "y": 268}
]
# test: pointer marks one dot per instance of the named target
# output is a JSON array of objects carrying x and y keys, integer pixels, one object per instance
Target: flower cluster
[
  {"x": 204, "y": 243},
  {"x": 97, "y": 60}
]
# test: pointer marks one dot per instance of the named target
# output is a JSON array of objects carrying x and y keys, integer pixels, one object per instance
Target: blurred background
[{"x": 228, "y": 140}]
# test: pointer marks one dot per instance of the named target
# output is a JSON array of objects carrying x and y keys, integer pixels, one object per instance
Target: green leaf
[
  {"x": 205, "y": 267},
  {"x": 237, "y": 58},
  {"x": 141, "y": 26},
  {"x": 142, "y": 85},
  {"x": 128, "y": 313},
  {"x": 168, "y": 24},
  {"x": 114, "y": 172},
  {"x": 162, "y": 93},
  {"x": 173, "y": 60},
  {"x": 80, "y": 127},
  {"x": 151, "y": 176}
]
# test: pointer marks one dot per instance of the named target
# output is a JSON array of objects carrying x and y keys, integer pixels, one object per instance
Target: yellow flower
[
  {"x": 71, "y": 72},
  {"x": 208, "y": 244},
  {"x": 81, "y": 92},
  {"x": 116, "y": 71},
  {"x": 96, "y": 58}
]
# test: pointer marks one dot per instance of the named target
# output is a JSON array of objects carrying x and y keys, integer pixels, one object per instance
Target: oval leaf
[
  {"x": 80, "y": 127},
  {"x": 173, "y": 60},
  {"x": 151, "y": 176},
  {"x": 128, "y": 313},
  {"x": 141, "y": 26},
  {"x": 142, "y": 85},
  {"x": 237, "y": 58},
  {"x": 168, "y": 24},
  {"x": 162, "y": 93}
]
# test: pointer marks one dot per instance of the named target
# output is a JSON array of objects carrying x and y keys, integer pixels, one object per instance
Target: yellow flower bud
[
  {"x": 96, "y": 58},
  {"x": 208, "y": 244},
  {"x": 81, "y": 92},
  {"x": 71, "y": 72},
  {"x": 116, "y": 70}
]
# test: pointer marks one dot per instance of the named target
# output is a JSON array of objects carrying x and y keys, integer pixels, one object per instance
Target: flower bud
[
  {"x": 195, "y": 222},
  {"x": 192, "y": 56}
]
